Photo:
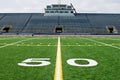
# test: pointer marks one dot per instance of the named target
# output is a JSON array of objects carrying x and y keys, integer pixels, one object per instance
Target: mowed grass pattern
[{"x": 104, "y": 50}]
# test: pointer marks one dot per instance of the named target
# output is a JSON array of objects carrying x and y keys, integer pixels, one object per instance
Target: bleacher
[
  {"x": 39, "y": 23},
  {"x": 16, "y": 21},
  {"x": 80, "y": 23},
  {"x": 99, "y": 22},
  {"x": 75, "y": 24}
]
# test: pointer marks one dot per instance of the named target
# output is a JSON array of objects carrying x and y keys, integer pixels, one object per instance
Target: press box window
[{"x": 46, "y": 11}]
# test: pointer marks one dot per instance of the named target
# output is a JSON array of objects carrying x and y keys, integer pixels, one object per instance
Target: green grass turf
[
  {"x": 108, "y": 67},
  {"x": 11, "y": 55},
  {"x": 8, "y": 40},
  {"x": 72, "y": 47}
]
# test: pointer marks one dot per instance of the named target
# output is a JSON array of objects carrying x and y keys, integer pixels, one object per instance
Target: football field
[{"x": 59, "y": 58}]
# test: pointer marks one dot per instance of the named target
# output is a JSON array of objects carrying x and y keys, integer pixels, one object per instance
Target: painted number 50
[{"x": 36, "y": 62}]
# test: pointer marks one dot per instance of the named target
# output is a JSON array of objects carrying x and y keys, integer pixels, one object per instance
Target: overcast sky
[{"x": 37, "y": 6}]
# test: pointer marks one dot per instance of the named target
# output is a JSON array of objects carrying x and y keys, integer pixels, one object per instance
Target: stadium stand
[
  {"x": 101, "y": 21},
  {"x": 80, "y": 23},
  {"x": 16, "y": 21},
  {"x": 39, "y": 23}
]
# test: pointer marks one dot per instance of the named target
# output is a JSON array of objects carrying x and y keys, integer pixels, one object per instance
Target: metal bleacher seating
[
  {"x": 16, "y": 21},
  {"x": 80, "y": 23}
]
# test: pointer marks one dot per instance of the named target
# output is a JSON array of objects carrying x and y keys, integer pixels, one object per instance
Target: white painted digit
[
  {"x": 73, "y": 63},
  {"x": 37, "y": 62}
]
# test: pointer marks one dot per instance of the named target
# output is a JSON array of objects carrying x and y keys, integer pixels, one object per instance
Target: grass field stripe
[
  {"x": 14, "y": 43},
  {"x": 103, "y": 43},
  {"x": 58, "y": 68}
]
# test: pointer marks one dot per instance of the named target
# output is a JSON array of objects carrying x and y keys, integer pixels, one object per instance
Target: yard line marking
[
  {"x": 102, "y": 43},
  {"x": 15, "y": 43},
  {"x": 28, "y": 45},
  {"x": 58, "y": 69}
]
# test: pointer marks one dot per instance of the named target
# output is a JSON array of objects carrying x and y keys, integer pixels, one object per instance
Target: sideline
[
  {"x": 15, "y": 42},
  {"x": 102, "y": 43}
]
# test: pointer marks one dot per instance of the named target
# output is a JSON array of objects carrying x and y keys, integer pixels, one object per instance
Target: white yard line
[
  {"x": 102, "y": 43},
  {"x": 58, "y": 68},
  {"x": 15, "y": 43}
]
